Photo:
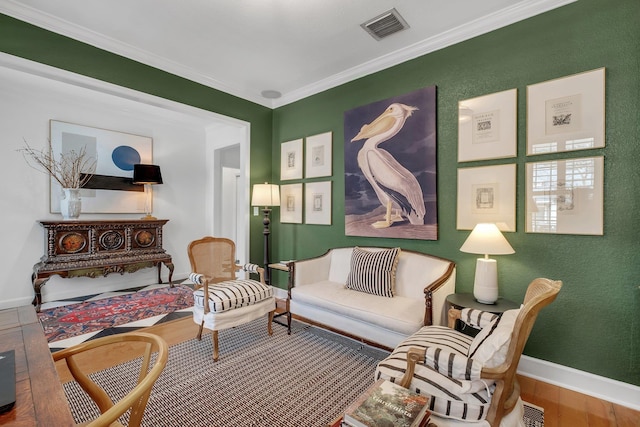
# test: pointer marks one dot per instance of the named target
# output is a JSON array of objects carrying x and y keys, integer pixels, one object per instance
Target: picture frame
[
  {"x": 291, "y": 203},
  {"x": 487, "y": 194},
  {"x": 318, "y": 155},
  {"x": 318, "y": 203},
  {"x": 291, "y": 160},
  {"x": 390, "y": 167},
  {"x": 565, "y": 196},
  {"x": 110, "y": 190},
  {"x": 487, "y": 126},
  {"x": 566, "y": 114}
]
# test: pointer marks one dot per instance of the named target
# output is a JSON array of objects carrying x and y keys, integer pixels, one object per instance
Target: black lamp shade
[{"x": 146, "y": 174}]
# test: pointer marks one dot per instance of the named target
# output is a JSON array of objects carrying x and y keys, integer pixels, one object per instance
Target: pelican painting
[
  {"x": 395, "y": 186},
  {"x": 390, "y": 167}
]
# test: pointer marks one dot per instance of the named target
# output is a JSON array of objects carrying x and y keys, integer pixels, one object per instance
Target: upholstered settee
[{"x": 378, "y": 295}]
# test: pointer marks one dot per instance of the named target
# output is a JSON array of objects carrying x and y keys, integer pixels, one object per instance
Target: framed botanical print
[
  {"x": 291, "y": 203},
  {"x": 487, "y": 194},
  {"x": 566, "y": 114},
  {"x": 565, "y": 196},
  {"x": 487, "y": 126},
  {"x": 318, "y": 155},
  {"x": 291, "y": 160},
  {"x": 318, "y": 203}
]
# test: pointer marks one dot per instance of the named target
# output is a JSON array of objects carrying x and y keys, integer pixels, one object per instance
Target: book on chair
[{"x": 385, "y": 402}]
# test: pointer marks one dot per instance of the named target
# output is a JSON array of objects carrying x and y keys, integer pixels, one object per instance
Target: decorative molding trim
[
  {"x": 583, "y": 382},
  {"x": 518, "y": 12}
]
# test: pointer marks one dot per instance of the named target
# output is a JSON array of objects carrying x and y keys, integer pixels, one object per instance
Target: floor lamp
[
  {"x": 147, "y": 175},
  {"x": 486, "y": 239},
  {"x": 266, "y": 195}
]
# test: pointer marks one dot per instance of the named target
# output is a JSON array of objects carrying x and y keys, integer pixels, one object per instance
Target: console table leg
[
  {"x": 170, "y": 267},
  {"x": 37, "y": 287}
]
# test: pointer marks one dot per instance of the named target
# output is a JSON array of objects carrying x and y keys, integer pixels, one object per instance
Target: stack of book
[{"x": 388, "y": 404}]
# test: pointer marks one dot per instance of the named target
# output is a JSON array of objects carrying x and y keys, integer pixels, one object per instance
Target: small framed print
[
  {"x": 291, "y": 160},
  {"x": 565, "y": 196},
  {"x": 566, "y": 114},
  {"x": 318, "y": 203},
  {"x": 291, "y": 203},
  {"x": 318, "y": 152},
  {"x": 487, "y": 126},
  {"x": 487, "y": 194}
]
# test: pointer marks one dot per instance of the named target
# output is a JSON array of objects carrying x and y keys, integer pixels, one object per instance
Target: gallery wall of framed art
[
  {"x": 563, "y": 194},
  {"x": 306, "y": 202}
]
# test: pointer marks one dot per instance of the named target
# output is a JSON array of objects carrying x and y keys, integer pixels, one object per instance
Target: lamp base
[
  {"x": 485, "y": 286},
  {"x": 149, "y": 217}
]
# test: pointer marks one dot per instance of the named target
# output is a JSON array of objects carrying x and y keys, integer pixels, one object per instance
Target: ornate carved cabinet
[{"x": 97, "y": 248}]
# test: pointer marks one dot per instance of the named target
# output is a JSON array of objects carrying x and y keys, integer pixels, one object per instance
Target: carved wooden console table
[{"x": 97, "y": 248}]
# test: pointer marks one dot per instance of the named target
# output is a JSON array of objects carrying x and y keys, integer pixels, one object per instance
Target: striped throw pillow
[{"x": 373, "y": 272}]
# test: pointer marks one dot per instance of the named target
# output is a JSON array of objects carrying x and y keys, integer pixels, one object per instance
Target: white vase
[{"x": 70, "y": 204}]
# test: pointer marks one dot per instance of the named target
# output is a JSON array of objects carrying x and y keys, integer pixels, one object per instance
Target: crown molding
[
  {"x": 520, "y": 11},
  {"x": 482, "y": 25}
]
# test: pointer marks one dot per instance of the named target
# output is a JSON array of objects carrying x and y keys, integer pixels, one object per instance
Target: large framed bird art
[{"x": 390, "y": 167}]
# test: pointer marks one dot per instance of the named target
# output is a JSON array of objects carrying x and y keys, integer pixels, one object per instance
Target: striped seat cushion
[
  {"x": 373, "y": 272},
  {"x": 232, "y": 294},
  {"x": 459, "y": 396}
]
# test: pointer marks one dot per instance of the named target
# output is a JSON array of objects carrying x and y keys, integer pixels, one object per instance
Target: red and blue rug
[{"x": 72, "y": 323}]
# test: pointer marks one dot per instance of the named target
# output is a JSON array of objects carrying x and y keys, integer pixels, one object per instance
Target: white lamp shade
[
  {"x": 265, "y": 195},
  {"x": 486, "y": 239}
]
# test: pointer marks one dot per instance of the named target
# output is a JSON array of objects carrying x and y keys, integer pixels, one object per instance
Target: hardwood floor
[{"x": 562, "y": 407}]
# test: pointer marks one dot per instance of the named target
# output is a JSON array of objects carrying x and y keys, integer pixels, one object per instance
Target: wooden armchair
[
  {"x": 220, "y": 300},
  {"x": 136, "y": 400},
  {"x": 478, "y": 374}
]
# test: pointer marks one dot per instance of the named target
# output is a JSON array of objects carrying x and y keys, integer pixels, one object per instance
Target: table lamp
[
  {"x": 486, "y": 239},
  {"x": 147, "y": 175},
  {"x": 266, "y": 195}
]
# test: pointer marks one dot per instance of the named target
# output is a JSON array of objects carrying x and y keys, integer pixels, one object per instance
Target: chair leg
[
  {"x": 269, "y": 329},
  {"x": 199, "y": 336},
  {"x": 214, "y": 336}
]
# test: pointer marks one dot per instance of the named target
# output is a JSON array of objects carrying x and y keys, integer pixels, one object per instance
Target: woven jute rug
[{"x": 305, "y": 379}]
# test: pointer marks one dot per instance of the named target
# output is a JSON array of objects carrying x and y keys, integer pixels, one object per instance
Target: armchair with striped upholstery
[
  {"x": 222, "y": 301},
  {"x": 471, "y": 380}
]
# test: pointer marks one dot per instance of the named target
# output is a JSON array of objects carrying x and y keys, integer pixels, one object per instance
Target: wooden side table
[
  {"x": 289, "y": 268},
  {"x": 467, "y": 300}
]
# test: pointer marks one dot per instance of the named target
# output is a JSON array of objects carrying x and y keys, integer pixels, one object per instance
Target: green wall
[
  {"x": 593, "y": 325},
  {"x": 26, "y": 41}
]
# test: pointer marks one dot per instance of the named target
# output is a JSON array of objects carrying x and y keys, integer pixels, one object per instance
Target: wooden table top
[{"x": 40, "y": 399}]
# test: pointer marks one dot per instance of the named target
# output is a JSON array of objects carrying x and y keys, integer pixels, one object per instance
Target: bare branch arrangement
[{"x": 72, "y": 169}]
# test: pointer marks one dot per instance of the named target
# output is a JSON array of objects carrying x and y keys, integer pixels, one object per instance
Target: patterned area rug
[
  {"x": 306, "y": 379},
  {"x": 72, "y": 320}
]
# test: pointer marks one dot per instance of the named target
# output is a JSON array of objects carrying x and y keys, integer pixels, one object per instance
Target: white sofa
[{"x": 318, "y": 295}]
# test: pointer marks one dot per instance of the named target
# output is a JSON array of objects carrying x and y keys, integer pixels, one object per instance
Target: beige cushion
[
  {"x": 490, "y": 346},
  {"x": 373, "y": 272}
]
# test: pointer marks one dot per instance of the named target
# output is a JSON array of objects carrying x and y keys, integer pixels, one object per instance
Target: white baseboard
[
  {"x": 583, "y": 382},
  {"x": 280, "y": 293}
]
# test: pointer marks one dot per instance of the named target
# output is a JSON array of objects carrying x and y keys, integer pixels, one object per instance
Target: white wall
[{"x": 27, "y": 103}]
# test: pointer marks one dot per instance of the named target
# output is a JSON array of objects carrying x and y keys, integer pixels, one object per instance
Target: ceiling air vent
[{"x": 386, "y": 24}]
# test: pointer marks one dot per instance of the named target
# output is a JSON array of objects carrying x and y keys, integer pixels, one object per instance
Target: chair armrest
[
  {"x": 414, "y": 355},
  {"x": 252, "y": 268}
]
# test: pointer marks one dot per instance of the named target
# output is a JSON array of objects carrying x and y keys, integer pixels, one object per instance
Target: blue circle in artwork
[{"x": 125, "y": 157}]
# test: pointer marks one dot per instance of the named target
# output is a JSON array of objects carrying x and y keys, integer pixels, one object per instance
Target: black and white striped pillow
[{"x": 373, "y": 272}]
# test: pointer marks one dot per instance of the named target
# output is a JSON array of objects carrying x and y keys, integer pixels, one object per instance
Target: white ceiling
[{"x": 295, "y": 47}]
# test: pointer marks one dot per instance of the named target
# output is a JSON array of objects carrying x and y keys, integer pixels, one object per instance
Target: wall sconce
[
  {"x": 486, "y": 239},
  {"x": 266, "y": 195},
  {"x": 147, "y": 175}
]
